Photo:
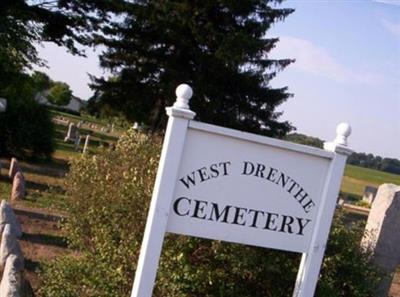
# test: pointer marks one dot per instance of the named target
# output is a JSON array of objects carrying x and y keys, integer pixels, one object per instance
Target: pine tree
[{"x": 218, "y": 47}]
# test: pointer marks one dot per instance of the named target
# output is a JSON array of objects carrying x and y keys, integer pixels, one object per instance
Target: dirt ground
[
  {"x": 42, "y": 240},
  {"x": 395, "y": 288}
]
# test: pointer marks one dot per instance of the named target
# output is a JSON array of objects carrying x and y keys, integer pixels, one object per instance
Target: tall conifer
[{"x": 218, "y": 47}]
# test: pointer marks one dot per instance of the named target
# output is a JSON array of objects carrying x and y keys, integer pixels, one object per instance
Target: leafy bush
[
  {"x": 109, "y": 196},
  {"x": 60, "y": 94},
  {"x": 26, "y": 130}
]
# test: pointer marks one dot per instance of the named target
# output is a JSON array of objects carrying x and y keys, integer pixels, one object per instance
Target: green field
[{"x": 357, "y": 178}]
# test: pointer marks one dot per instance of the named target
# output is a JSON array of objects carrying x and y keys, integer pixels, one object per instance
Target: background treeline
[
  {"x": 371, "y": 161},
  {"x": 375, "y": 162}
]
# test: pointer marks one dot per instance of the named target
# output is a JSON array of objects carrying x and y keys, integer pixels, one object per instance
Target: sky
[{"x": 347, "y": 69}]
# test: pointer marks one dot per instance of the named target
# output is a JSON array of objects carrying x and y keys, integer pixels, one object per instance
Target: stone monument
[
  {"x": 14, "y": 168},
  {"x": 7, "y": 216},
  {"x": 369, "y": 194},
  {"x": 86, "y": 145},
  {"x": 382, "y": 233},
  {"x": 71, "y": 133},
  {"x": 11, "y": 283},
  {"x": 9, "y": 245},
  {"x": 18, "y": 188}
]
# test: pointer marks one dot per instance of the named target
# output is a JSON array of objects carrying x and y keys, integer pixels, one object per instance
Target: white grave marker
[{"x": 229, "y": 185}]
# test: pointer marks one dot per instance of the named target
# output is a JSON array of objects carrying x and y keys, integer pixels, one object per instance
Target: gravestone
[
  {"x": 382, "y": 233},
  {"x": 86, "y": 145},
  {"x": 71, "y": 133},
  {"x": 9, "y": 245},
  {"x": 18, "y": 188},
  {"x": 14, "y": 168},
  {"x": 369, "y": 194},
  {"x": 3, "y": 104},
  {"x": 11, "y": 283},
  {"x": 77, "y": 141},
  {"x": 7, "y": 216}
]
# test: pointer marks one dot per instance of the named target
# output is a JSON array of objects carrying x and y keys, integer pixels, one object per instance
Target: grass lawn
[
  {"x": 357, "y": 178},
  {"x": 77, "y": 118}
]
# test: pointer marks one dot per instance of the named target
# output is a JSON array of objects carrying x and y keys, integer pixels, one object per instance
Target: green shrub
[
  {"x": 363, "y": 203},
  {"x": 109, "y": 195},
  {"x": 26, "y": 130}
]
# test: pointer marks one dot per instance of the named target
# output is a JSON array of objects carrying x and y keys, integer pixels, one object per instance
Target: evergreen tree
[
  {"x": 64, "y": 22},
  {"x": 218, "y": 47}
]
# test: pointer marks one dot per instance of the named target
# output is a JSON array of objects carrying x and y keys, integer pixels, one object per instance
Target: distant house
[{"x": 74, "y": 105}]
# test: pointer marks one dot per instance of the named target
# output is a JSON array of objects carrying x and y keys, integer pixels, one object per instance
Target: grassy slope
[
  {"x": 45, "y": 179},
  {"x": 357, "y": 178}
]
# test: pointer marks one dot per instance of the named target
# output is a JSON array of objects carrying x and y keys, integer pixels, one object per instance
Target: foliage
[
  {"x": 126, "y": 174},
  {"x": 24, "y": 23},
  {"x": 109, "y": 195},
  {"x": 41, "y": 81},
  {"x": 363, "y": 203},
  {"x": 304, "y": 139},
  {"x": 27, "y": 130},
  {"x": 347, "y": 269},
  {"x": 60, "y": 94},
  {"x": 219, "y": 47}
]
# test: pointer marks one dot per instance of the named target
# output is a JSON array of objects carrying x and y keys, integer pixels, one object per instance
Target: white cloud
[
  {"x": 318, "y": 61},
  {"x": 391, "y": 27}
]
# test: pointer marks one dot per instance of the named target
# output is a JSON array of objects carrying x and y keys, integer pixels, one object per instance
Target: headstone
[
  {"x": 18, "y": 188},
  {"x": 79, "y": 124},
  {"x": 71, "y": 133},
  {"x": 7, "y": 216},
  {"x": 9, "y": 246},
  {"x": 77, "y": 141},
  {"x": 86, "y": 145},
  {"x": 3, "y": 104},
  {"x": 11, "y": 283},
  {"x": 14, "y": 168},
  {"x": 382, "y": 233},
  {"x": 369, "y": 194}
]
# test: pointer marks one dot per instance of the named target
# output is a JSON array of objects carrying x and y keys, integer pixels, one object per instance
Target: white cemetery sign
[{"x": 224, "y": 184}]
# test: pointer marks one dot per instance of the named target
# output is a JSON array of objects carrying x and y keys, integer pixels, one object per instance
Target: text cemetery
[{"x": 239, "y": 215}]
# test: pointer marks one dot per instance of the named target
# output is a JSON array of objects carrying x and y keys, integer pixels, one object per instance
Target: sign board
[{"x": 223, "y": 184}]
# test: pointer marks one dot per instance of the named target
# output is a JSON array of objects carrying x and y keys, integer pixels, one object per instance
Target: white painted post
[
  {"x": 179, "y": 117},
  {"x": 311, "y": 261},
  {"x": 86, "y": 145}
]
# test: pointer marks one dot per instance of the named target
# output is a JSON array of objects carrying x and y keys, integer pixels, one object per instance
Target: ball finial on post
[
  {"x": 343, "y": 131},
  {"x": 183, "y": 94}
]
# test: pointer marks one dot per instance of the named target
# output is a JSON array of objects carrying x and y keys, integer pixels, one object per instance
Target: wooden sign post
[{"x": 224, "y": 184}]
